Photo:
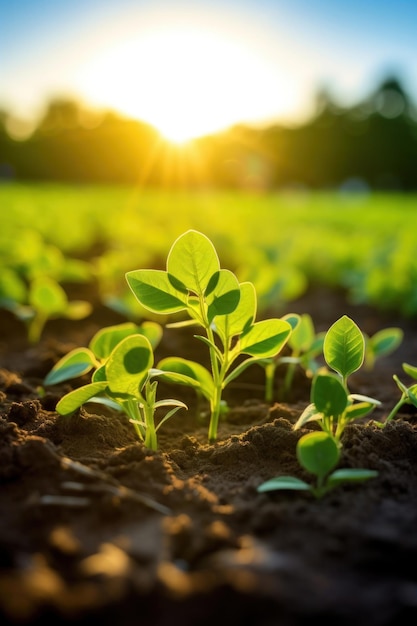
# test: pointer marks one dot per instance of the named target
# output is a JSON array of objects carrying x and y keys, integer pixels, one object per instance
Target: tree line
[{"x": 372, "y": 144}]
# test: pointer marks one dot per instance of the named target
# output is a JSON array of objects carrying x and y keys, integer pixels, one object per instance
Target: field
[
  {"x": 96, "y": 526},
  {"x": 283, "y": 242}
]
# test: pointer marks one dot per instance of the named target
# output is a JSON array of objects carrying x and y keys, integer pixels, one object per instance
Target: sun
[{"x": 185, "y": 81}]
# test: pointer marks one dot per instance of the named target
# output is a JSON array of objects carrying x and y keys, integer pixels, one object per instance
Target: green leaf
[
  {"x": 411, "y": 370},
  {"x": 128, "y": 365},
  {"x": 361, "y": 398},
  {"x": 400, "y": 385},
  {"x": 308, "y": 415},
  {"x": 153, "y": 331},
  {"x": 74, "y": 399},
  {"x": 412, "y": 395},
  {"x": 242, "y": 317},
  {"x": 386, "y": 341},
  {"x": 191, "y": 371},
  {"x": 78, "y": 309},
  {"x": 111, "y": 404},
  {"x": 237, "y": 371},
  {"x": 316, "y": 347},
  {"x": 48, "y": 296},
  {"x": 106, "y": 339},
  {"x": 318, "y": 453},
  {"x": 358, "y": 410},
  {"x": 225, "y": 296},
  {"x": 344, "y": 346},
  {"x": 154, "y": 291},
  {"x": 99, "y": 375},
  {"x": 76, "y": 363},
  {"x": 193, "y": 260},
  {"x": 265, "y": 338},
  {"x": 303, "y": 335},
  {"x": 329, "y": 395},
  {"x": 352, "y": 475},
  {"x": 12, "y": 288},
  {"x": 293, "y": 319},
  {"x": 284, "y": 482}
]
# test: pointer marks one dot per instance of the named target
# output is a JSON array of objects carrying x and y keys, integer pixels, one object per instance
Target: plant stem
[
  {"x": 215, "y": 405},
  {"x": 217, "y": 378},
  {"x": 396, "y": 408},
  {"x": 269, "y": 380},
  {"x": 151, "y": 441},
  {"x": 132, "y": 409},
  {"x": 35, "y": 328},
  {"x": 289, "y": 375}
]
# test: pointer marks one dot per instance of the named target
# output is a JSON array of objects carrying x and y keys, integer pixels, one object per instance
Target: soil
[{"x": 95, "y": 528}]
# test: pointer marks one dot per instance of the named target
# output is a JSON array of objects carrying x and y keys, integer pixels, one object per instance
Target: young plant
[
  {"x": 80, "y": 361},
  {"x": 408, "y": 394},
  {"x": 215, "y": 301},
  {"x": 332, "y": 406},
  {"x": 48, "y": 300},
  {"x": 125, "y": 382},
  {"x": 318, "y": 453},
  {"x": 381, "y": 344},
  {"x": 305, "y": 346}
]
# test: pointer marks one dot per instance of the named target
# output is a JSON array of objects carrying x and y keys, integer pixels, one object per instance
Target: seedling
[
  {"x": 48, "y": 300},
  {"x": 305, "y": 347},
  {"x": 215, "y": 301},
  {"x": 331, "y": 403},
  {"x": 381, "y": 344},
  {"x": 408, "y": 394},
  {"x": 318, "y": 453},
  {"x": 80, "y": 361},
  {"x": 125, "y": 382}
]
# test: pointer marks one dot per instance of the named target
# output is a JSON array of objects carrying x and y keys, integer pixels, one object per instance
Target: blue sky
[{"x": 51, "y": 48}]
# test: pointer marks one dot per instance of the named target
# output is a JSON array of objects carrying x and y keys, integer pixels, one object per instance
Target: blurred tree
[{"x": 374, "y": 140}]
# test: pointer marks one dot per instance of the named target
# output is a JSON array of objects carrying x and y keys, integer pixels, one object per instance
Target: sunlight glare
[{"x": 185, "y": 82}]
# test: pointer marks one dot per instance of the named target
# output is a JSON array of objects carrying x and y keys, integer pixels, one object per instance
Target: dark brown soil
[{"x": 97, "y": 529}]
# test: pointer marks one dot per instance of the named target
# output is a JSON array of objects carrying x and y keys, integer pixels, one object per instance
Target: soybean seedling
[
  {"x": 125, "y": 381},
  {"x": 215, "y": 301},
  {"x": 82, "y": 360},
  {"x": 408, "y": 394},
  {"x": 305, "y": 346},
  {"x": 381, "y": 344},
  {"x": 332, "y": 406},
  {"x": 48, "y": 300},
  {"x": 318, "y": 453}
]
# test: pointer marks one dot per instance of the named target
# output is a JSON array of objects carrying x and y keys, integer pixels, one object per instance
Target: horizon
[{"x": 193, "y": 68}]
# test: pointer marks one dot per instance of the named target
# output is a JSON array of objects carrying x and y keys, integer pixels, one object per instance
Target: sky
[{"x": 194, "y": 67}]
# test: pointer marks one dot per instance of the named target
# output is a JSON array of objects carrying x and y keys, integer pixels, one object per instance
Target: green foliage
[
  {"x": 124, "y": 379},
  {"x": 344, "y": 347},
  {"x": 80, "y": 361},
  {"x": 376, "y": 264},
  {"x": 408, "y": 394},
  {"x": 305, "y": 346},
  {"x": 332, "y": 406},
  {"x": 318, "y": 453},
  {"x": 214, "y": 300},
  {"x": 381, "y": 344},
  {"x": 47, "y": 300}
]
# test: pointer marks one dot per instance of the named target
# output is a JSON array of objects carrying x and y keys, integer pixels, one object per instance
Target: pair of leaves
[
  {"x": 331, "y": 400},
  {"x": 344, "y": 352},
  {"x": 318, "y": 453},
  {"x": 82, "y": 360},
  {"x": 193, "y": 272},
  {"x": 123, "y": 374}
]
